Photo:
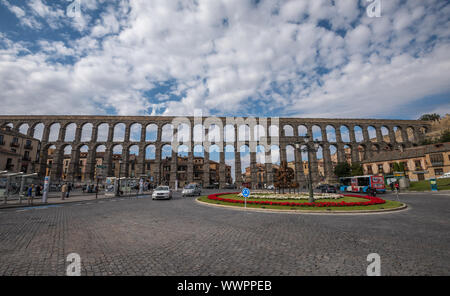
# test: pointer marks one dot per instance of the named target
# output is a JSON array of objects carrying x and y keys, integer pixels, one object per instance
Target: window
[
  {"x": 369, "y": 170},
  {"x": 380, "y": 168},
  {"x": 418, "y": 165},
  {"x": 437, "y": 159},
  {"x": 405, "y": 165},
  {"x": 15, "y": 140},
  {"x": 438, "y": 172},
  {"x": 1, "y": 139}
]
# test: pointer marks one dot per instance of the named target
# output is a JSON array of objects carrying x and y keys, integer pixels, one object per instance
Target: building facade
[
  {"x": 420, "y": 163},
  {"x": 18, "y": 152}
]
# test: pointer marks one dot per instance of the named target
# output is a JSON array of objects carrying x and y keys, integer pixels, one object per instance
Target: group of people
[
  {"x": 395, "y": 186},
  {"x": 32, "y": 191},
  {"x": 65, "y": 190},
  {"x": 90, "y": 188}
]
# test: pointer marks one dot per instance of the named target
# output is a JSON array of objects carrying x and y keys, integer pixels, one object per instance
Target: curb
[
  {"x": 24, "y": 206},
  {"x": 403, "y": 207}
]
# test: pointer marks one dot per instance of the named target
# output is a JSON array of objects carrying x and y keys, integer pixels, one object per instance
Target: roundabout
[{"x": 295, "y": 203}]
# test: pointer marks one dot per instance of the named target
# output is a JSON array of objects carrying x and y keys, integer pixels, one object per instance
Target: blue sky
[{"x": 300, "y": 58}]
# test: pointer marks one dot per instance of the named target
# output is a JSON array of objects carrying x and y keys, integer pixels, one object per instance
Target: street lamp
[
  {"x": 308, "y": 149},
  {"x": 118, "y": 181}
]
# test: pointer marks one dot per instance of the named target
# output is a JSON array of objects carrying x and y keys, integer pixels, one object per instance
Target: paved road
[{"x": 139, "y": 236}]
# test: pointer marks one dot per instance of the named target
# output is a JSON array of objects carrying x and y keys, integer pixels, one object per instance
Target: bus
[{"x": 362, "y": 184}]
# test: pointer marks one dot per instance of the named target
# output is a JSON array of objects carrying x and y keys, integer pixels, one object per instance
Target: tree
[
  {"x": 445, "y": 137},
  {"x": 430, "y": 117},
  {"x": 399, "y": 167},
  {"x": 342, "y": 169},
  {"x": 357, "y": 169}
]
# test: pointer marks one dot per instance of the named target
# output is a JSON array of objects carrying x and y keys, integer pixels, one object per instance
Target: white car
[
  {"x": 446, "y": 175},
  {"x": 191, "y": 190},
  {"x": 162, "y": 192}
]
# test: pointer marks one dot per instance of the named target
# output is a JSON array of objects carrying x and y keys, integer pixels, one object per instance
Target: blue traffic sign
[{"x": 245, "y": 192}]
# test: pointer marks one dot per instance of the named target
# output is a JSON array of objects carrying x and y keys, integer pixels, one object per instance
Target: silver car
[
  {"x": 191, "y": 190},
  {"x": 162, "y": 192}
]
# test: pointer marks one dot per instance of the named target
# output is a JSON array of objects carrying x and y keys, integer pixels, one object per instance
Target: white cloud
[{"x": 228, "y": 56}]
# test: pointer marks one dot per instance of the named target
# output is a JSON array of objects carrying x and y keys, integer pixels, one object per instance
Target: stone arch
[
  {"x": 316, "y": 133},
  {"x": 135, "y": 132},
  {"x": 411, "y": 134},
  {"x": 275, "y": 154},
  {"x": 243, "y": 133},
  {"x": 345, "y": 133},
  {"x": 274, "y": 131},
  {"x": 119, "y": 132},
  {"x": 102, "y": 132},
  {"x": 151, "y": 133},
  {"x": 38, "y": 130},
  {"x": 55, "y": 129},
  {"x": 230, "y": 159},
  {"x": 362, "y": 155},
  {"x": 184, "y": 133},
  {"x": 398, "y": 134},
  {"x": 385, "y": 134},
  {"x": 199, "y": 151},
  {"x": 302, "y": 130},
  {"x": 259, "y": 132},
  {"x": 348, "y": 149},
  {"x": 150, "y": 152},
  {"x": 359, "y": 136},
  {"x": 260, "y": 154},
  {"x": 228, "y": 132},
  {"x": 167, "y": 133},
  {"x": 372, "y": 132},
  {"x": 70, "y": 132},
  {"x": 199, "y": 133},
  {"x": 23, "y": 128},
  {"x": 288, "y": 130},
  {"x": 132, "y": 161},
  {"x": 331, "y": 133},
  {"x": 214, "y": 133}
]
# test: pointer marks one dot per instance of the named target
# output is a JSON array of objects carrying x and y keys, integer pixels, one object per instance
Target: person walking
[
  {"x": 63, "y": 191},
  {"x": 69, "y": 188},
  {"x": 30, "y": 194},
  {"x": 397, "y": 187}
]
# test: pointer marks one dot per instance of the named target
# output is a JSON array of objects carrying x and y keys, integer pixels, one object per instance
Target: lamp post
[
  {"x": 308, "y": 149},
  {"x": 118, "y": 181}
]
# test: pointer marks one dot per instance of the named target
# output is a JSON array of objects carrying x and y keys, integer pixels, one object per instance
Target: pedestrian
[
  {"x": 63, "y": 191},
  {"x": 30, "y": 194},
  {"x": 38, "y": 190},
  {"x": 397, "y": 186},
  {"x": 69, "y": 187},
  {"x": 392, "y": 186}
]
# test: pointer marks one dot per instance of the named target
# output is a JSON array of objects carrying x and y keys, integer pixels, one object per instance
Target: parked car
[
  {"x": 162, "y": 192},
  {"x": 191, "y": 190},
  {"x": 212, "y": 186},
  {"x": 446, "y": 175},
  {"x": 230, "y": 186},
  {"x": 326, "y": 188}
]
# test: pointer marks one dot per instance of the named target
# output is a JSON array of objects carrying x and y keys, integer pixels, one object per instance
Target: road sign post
[{"x": 245, "y": 194}]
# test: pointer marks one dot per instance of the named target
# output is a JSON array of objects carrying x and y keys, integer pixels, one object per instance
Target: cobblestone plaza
[{"x": 138, "y": 236}]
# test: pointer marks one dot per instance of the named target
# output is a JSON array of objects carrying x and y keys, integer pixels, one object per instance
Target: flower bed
[
  {"x": 303, "y": 196},
  {"x": 371, "y": 201}
]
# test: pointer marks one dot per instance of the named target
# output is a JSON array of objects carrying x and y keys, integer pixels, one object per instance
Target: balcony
[
  {"x": 26, "y": 158},
  {"x": 2, "y": 142},
  {"x": 9, "y": 167},
  {"x": 28, "y": 146},
  {"x": 437, "y": 163},
  {"x": 15, "y": 144}
]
